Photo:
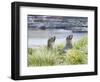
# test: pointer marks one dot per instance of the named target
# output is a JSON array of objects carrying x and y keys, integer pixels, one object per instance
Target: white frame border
[{"x": 24, "y": 70}]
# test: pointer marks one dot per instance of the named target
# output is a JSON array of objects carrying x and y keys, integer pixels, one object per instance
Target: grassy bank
[{"x": 43, "y": 57}]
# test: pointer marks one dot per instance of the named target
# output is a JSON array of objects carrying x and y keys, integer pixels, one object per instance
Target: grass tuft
[{"x": 43, "y": 57}]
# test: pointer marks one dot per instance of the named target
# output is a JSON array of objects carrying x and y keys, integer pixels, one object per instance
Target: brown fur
[
  {"x": 50, "y": 42},
  {"x": 68, "y": 44},
  {"x": 69, "y": 41}
]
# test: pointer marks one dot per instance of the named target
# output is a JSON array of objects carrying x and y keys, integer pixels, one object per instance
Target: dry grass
[{"x": 43, "y": 57}]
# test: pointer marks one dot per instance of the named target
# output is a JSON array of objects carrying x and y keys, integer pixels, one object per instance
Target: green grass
[
  {"x": 43, "y": 57},
  {"x": 75, "y": 56}
]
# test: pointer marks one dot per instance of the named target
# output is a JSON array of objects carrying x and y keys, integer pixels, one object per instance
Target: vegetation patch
[{"x": 43, "y": 57}]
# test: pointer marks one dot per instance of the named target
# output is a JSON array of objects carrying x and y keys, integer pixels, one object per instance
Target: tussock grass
[
  {"x": 43, "y": 57},
  {"x": 75, "y": 56}
]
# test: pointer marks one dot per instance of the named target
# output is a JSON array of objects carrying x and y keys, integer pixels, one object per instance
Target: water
[{"x": 40, "y": 37}]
